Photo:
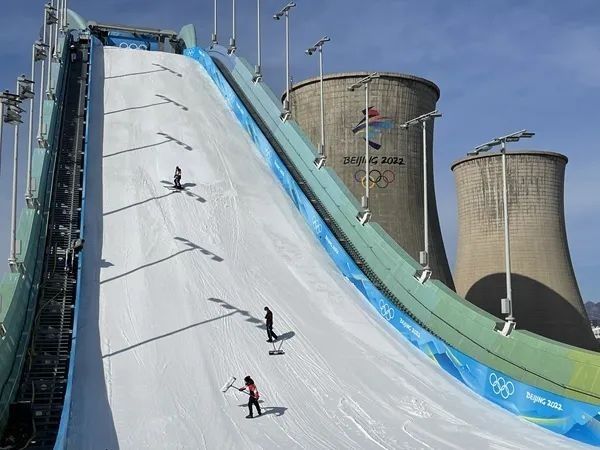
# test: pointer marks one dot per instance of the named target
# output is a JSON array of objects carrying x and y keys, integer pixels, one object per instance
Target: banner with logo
[
  {"x": 131, "y": 41},
  {"x": 572, "y": 418}
]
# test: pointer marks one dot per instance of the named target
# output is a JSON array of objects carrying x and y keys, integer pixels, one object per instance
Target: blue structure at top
[
  {"x": 139, "y": 38},
  {"x": 129, "y": 40}
]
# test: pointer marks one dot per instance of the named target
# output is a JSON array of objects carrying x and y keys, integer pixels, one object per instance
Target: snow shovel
[
  {"x": 276, "y": 351},
  {"x": 229, "y": 384}
]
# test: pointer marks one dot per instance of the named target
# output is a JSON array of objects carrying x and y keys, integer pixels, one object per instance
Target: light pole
[
  {"x": 13, "y": 116},
  {"x": 285, "y": 12},
  {"x": 506, "y": 305},
  {"x": 40, "y": 133},
  {"x": 65, "y": 17},
  {"x": 2, "y": 101},
  {"x": 38, "y": 53},
  {"x": 61, "y": 14},
  {"x": 58, "y": 6},
  {"x": 320, "y": 160},
  {"x": 257, "y": 73},
  {"x": 424, "y": 255},
  {"x": 10, "y": 112},
  {"x": 51, "y": 20},
  {"x": 232, "y": 47},
  {"x": 365, "y": 215},
  {"x": 57, "y": 26},
  {"x": 213, "y": 38},
  {"x": 1, "y": 131}
]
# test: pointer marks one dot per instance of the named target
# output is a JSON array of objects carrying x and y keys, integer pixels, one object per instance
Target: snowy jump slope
[{"x": 174, "y": 286}]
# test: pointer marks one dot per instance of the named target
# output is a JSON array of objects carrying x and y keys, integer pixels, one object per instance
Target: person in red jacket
[{"x": 253, "y": 396}]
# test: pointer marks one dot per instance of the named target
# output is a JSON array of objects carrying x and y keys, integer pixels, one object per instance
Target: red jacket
[{"x": 253, "y": 390}]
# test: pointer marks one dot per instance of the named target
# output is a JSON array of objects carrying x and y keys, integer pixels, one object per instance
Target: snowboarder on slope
[
  {"x": 254, "y": 395},
  {"x": 177, "y": 178},
  {"x": 269, "y": 318}
]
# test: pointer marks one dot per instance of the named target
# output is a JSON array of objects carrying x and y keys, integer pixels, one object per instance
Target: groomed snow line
[{"x": 175, "y": 282}]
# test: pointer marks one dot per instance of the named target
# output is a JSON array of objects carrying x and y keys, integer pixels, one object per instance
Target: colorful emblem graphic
[
  {"x": 376, "y": 178},
  {"x": 377, "y": 124}
]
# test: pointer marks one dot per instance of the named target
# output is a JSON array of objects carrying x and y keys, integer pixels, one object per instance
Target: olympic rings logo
[
  {"x": 317, "y": 225},
  {"x": 133, "y": 46},
  {"x": 386, "y": 310},
  {"x": 501, "y": 387},
  {"x": 376, "y": 178}
]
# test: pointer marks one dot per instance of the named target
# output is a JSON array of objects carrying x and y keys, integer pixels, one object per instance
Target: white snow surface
[{"x": 174, "y": 285}]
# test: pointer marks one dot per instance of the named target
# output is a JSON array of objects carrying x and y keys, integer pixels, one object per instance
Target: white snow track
[{"x": 174, "y": 286}]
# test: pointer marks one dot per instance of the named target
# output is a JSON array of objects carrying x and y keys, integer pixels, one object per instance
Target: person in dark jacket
[
  {"x": 73, "y": 52},
  {"x": 269, "y": 321},
  {"x": 253, "y": 396},
  {"x": 177, "y": 178}
]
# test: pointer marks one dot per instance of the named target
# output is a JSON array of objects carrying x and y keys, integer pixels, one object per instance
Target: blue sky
[{"x": 502, "y": 65}]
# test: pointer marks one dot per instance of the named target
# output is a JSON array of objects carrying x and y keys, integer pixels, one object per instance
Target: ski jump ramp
[{"x": 174, "y": 284}]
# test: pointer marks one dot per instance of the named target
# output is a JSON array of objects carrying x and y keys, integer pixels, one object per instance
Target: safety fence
[{"x": 543, "y": 381}]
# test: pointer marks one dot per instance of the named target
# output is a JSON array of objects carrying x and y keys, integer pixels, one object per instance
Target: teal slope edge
[
  {"x": 61, "y": 438},
  {"x": 19, "y": 291},
  {"x": 571, "y": 418}
]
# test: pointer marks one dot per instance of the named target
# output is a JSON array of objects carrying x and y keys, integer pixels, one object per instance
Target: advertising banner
[{"x": 575, "y": 419}]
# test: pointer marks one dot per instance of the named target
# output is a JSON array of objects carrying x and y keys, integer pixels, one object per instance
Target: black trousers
[
  {"x": 270, "y": 333},
  {"x": 253, "y": 401}
]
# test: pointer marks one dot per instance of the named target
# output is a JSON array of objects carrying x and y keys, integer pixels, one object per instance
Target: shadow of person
[
  {"x": 285, "y": 336},
  {"x": 280, "y": 337},
  {"x": 245, "y": 405},
  {"x": 275, "y": 410}
]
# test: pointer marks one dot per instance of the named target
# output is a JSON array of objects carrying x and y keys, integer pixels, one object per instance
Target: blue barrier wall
[
  {"x": 575, "y": 419},
  {"x": 61, "y": 439}
]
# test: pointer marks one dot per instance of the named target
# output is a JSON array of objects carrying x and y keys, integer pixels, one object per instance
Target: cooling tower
[
  {"x": 396, "y": 172},
  {"x": 546, "y": 298}
]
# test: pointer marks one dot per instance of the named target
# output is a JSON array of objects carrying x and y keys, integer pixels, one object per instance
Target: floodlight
[{"x": 285, "y": 9}]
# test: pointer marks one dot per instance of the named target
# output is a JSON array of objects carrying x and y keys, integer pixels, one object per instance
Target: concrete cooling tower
[
  {"x": 396, "y": 172},
  {"x": 546, "y": 298}
]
